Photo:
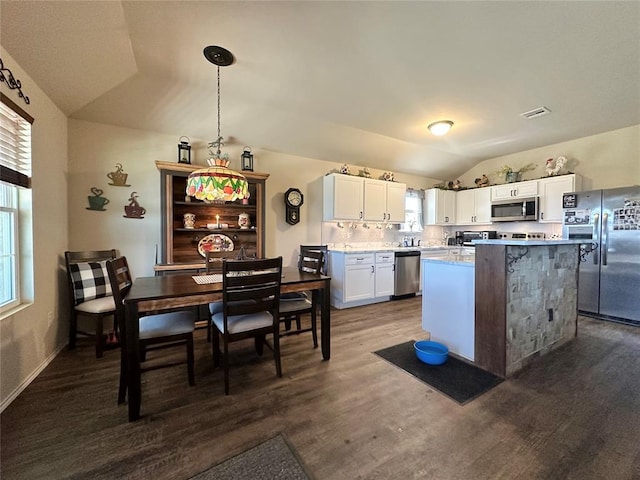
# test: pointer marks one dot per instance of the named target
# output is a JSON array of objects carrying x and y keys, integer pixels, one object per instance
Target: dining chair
[
  {"x": 90, "y": 294},
  {"x": 157, "y": 331},
  {"x": 293, "y": 306},
  {"x": 213, "y": 264},
  {"x": 250, "y": 298}
]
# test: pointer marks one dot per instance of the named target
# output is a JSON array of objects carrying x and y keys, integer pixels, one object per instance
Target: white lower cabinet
[
  {"x": 385, "y": 263},
  {"x": 357, "y": 280}
]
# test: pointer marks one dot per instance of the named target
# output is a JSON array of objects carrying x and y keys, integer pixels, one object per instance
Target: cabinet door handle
[
  {"x": 361, "y": 215},
  {"x": 373, "y": 269},
  {"x": 541, "y": 215}
]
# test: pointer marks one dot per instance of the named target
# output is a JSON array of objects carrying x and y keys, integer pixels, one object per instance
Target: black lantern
[
  {"x": 247, "y": 159},
  {"x": 184, "y": 150}
]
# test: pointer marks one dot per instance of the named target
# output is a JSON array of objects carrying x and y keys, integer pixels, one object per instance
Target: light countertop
[
  {"x": 459, "y": 260},
  {"x": 532, "y": 243},
  {"x": 390, "y": 249}
]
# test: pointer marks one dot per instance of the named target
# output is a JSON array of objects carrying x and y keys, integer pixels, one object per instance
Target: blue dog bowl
[{"x": 431, "y": 353}]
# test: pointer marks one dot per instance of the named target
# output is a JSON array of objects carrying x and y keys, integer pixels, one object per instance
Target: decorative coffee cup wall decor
[
  {"x": 118, "y": 178},
  {"x": 97, "y": 201},
  {"x": 134, "y": 210}
]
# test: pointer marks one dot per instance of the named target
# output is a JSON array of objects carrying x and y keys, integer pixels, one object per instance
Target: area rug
[
  {"x": 456, "y": 379},
  {"x": 270, "y": 460}
]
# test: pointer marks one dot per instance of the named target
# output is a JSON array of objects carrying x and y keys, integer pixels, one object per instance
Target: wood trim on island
[{"x": 491, "y": 304}]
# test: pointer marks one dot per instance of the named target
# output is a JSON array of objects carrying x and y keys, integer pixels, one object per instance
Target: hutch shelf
[{"x": 180, "y": 244}]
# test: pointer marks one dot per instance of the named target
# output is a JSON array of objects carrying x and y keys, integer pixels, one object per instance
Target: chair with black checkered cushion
[{"x": 89, "y": 293}]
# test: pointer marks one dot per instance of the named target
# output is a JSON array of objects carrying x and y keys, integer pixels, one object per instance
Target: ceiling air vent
[{"x": 536, "y": 112}]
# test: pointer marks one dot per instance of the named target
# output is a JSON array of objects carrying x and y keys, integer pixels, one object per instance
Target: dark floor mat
[{"x": 458, "y": 380}]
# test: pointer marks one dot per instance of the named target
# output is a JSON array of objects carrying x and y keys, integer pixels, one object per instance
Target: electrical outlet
[
  {"x": 551, "y": 314},
  {"x": 50, "y": 318}
]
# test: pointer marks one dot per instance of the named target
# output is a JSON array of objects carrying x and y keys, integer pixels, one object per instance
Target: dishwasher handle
[{"x": 408, "y": 253}]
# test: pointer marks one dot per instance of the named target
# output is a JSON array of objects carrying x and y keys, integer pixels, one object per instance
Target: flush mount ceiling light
[{"x": 440, "y": 127}]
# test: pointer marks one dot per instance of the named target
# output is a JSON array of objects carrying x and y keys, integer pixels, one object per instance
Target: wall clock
[{"x": 293, "y": 199}]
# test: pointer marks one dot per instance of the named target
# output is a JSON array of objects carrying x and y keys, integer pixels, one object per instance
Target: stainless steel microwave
[{"x": 515, "y": 210}]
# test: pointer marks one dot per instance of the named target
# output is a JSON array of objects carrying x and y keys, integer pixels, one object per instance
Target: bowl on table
[{"x": 431, "y": 353}]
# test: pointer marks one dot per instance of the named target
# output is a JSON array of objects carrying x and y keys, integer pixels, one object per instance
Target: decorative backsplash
[{"x": 357, "y": 234}]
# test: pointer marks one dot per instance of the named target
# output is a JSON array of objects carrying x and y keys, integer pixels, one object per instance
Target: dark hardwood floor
[{"x": 574, "y": 414}]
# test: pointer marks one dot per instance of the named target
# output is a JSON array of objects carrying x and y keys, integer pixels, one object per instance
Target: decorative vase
[
  {"x": 189, "y": 220},
  {"x": 512, "y": 177},
  {"x": 243, "y": 221}
]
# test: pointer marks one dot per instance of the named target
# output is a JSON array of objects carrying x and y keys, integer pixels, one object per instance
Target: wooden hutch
[{"x": 180, "y": 245}]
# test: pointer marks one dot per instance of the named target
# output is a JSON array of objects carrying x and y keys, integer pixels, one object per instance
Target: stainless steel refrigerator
[{"x": 609, "y": 275}]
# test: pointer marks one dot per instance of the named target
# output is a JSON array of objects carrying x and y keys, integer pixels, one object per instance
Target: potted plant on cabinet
[{"x": 510, "y": 175}]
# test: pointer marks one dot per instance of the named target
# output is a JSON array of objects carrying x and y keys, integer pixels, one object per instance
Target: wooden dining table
[{"x": 158, "y": 293}]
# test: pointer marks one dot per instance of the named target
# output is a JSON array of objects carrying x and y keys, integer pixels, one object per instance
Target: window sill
[{"x": 14, "y": 310}]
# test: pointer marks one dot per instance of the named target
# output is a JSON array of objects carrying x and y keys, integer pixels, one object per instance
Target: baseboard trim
[{"x": 27, "y": 381}]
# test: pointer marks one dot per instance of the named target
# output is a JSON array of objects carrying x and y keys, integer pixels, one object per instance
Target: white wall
[
  {"x": 606, "y": 160},
  {"x": 28, "y": 340},
  {"x": 95, "y": 149}
]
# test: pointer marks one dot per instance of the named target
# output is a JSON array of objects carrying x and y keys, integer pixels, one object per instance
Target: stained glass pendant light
[{"x": 217, "y": 183}]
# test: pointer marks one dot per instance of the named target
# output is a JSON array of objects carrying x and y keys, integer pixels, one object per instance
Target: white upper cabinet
[
  {"x": 343, "y": 197},
  {"x": 396, "y": 193},
  {"x": 473, "y": 206},
  {"x": 375, "y": 200},
  {"x": 348, "y": 197},
  {"x": 384, "y": 201},
  {"x": 515, "y": 190},
  {"x": 551, "y": 191},
  {"x": 440, "y": 206}
]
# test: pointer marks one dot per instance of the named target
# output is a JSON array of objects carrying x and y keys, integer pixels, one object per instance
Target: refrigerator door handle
[
  {"x": 596, "y": 239},
  {"x": 605, "y": 237}
]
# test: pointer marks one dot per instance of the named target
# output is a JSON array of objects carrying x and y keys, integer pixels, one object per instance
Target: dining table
[{"x": 169, "y": 292}]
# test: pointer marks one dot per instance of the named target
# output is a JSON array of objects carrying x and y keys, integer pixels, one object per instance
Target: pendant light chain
[
  {"x": 219, "y": 137},
  {"x": 217, "y": 183}
]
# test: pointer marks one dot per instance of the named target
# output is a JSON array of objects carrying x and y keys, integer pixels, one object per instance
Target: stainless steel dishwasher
[{"x": 407, "y": 274}]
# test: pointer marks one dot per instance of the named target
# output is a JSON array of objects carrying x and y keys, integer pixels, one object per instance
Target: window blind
[{"x": 15, "y": 144}]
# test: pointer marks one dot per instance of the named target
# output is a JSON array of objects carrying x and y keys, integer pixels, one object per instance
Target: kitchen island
[
  {"x": 525, "y": 300},
  {"x": 448, "y": 302}
]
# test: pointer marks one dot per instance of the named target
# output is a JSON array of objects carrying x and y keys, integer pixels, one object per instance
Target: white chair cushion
[
  {"x": 294, "y": 305},
  {"x": 164, "y": 324},
  {"x": 98, "y": 305},
  {"x": 243, "y": 323}
]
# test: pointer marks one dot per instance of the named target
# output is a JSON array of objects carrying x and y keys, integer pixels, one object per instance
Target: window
[
  {"x": 15, "y": 197},
  {"x": 413, "y": 211}
]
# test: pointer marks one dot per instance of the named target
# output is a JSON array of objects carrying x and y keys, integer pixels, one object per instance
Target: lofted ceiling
[{"x": 351, "y": 82}]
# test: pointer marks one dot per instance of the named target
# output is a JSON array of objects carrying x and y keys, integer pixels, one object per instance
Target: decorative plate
[{"x": 214, "y": 242}]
